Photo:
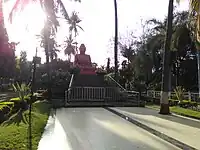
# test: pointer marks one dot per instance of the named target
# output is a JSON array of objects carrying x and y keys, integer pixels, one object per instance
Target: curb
[
  {"x": 165, "y": 137},
  {"x": 183, "y": 115}
]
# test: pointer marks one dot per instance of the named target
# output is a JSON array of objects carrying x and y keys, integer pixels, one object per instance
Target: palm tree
[
  {"x": 166, "y": 73},
  {"x": 53, "y": 46},
  {"x": 116, "y": 40},
  {"x": 70, "y": 48},
  {"x": 195, "y": 23},
  {"x": 50, "y": 7},
  {"x": 74, "y": 21},
  {"x": 127, "y": 51},
  {"x": 164, "y": 102},
  {"x": 180, "y": 39}
]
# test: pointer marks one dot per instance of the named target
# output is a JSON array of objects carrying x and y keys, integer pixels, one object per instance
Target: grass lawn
[
  {"x": 15, "y": 137},
  {"x": 180, "y": 111}
]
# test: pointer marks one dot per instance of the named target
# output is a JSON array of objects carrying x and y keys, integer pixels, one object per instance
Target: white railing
[
  {"x": 122, "y": 88},
  {"x": 71, "y": 81},
  {"x": 91, "y": 94},
  {"x": 187, "y": 95}
]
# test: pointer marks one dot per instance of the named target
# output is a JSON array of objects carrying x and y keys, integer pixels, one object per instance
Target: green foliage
[
  {"x": 173, "y": 102},
  {"x": 185, "y": 112},
  {"x": 14, "y": 137},
  {"x": 188, "y": 104},
  {"x": 3, "y": 106},
  {"x": 16, "y": 118},
  {"x": 17, "y": 106},
  {"x": 27, "y": 97},
  {"x": 179, "y": 91},
  {"x": 145, "y": 54},
  {"x": 180, "y": 111},
  {"x": 22, "y": 90},
  {"x": 183, "y": 103}
]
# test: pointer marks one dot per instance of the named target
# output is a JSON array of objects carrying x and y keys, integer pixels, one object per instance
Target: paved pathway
[
  {"x": 96, "y": 129},
  {"x": 179, "y": 128}
]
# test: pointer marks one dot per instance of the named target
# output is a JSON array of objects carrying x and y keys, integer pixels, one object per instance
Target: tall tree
[
  {"x": 166, "y": 72},
  {"x": 70, "y": 48},
  {"x": 71, "y": 43},
  {"x": 195, "y": 22},
  {"x": 7, "y": 54},
  {"x": 50, "y": 7},
  {"x": 164, "y": 102},
  {"x": 116, "y": 40},
  {"x": 73, "y": 22},
  {"x": 53, "y": 46}
]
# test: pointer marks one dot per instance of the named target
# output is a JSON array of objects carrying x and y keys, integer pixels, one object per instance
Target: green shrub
[
  {"x": 3, "y": 106},
  {"x": 14, "y": 137},
  {"x": 18, "y": 103},
  {"x": 173, "y": 102},
  {"x": 5, "y": 109},
  {"x": 179, "y": 91},
  {"x": 15, "y": 99},
  {"x": 188, "y": 103},
  {"x": 7, "y": 103}
]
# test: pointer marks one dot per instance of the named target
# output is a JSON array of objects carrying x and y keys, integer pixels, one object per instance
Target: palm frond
[
  {"x": 80, "y": 27},
  {"x": 62, "y": 9},
  {"x": 19, "y": 6},
  {"x": 16, "y": 119}
]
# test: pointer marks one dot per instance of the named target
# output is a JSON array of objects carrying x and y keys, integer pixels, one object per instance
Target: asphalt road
[{"x": 96, "y": 129}]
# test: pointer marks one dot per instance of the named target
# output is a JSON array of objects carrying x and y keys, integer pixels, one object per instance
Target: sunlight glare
[
  {"x": 24, "y": 27},
  {"x": 29, "y": 22}
]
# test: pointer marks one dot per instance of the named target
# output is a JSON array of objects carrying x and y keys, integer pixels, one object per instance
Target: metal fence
[
  {"x": 172, "y": 95},
  {"x": 91, "y": 94}
]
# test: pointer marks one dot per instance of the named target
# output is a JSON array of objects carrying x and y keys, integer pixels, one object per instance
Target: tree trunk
[
  {"x": 47, "y": 60},
  {"x": 164, "y": 102},
  {"x": 116, "y": 40},
  {"x": 198, "y": 64}
]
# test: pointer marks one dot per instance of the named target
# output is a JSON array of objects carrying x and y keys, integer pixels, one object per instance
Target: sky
[{"x": 97, "y": 21}]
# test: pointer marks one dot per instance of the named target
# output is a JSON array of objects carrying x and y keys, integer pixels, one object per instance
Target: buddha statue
[{"x": 83, "y": 61}]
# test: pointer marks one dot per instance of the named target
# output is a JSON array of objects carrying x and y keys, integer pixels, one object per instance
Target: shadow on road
[{"x": 152, "y": 112}]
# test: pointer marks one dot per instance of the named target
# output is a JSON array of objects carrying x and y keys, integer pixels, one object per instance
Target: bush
[
  {"x": 9, "y": 108},
  {"x": 188, "y": 103},
  {"x": 179, "y": 91},
  {"x": 5, "y": 109},
  {"x": 14, "y": 137},
  {"x": 173, "y": 102},
  {"x": 9, "y": 104},
  {"x": 183, "y": 103}
]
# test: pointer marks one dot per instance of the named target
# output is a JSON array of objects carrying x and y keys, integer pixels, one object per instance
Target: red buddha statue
[{"x": 83, "y": 61}]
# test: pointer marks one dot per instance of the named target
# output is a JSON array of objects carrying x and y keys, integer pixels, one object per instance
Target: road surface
[
  {"x": 180, "y": 128},
  {"x": 96, "y": 129}
]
